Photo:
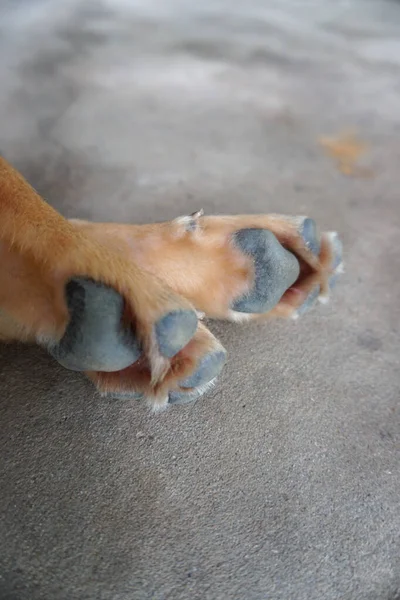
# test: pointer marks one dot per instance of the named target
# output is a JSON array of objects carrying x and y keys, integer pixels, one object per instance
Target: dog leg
[
  {"x": 235, "y": 268},
  {"x": 203, "y": 358},
  {"x": 42, "y": 254}
]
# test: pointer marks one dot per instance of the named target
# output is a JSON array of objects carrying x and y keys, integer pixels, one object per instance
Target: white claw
[
  {"x": 197, "y": 214},
  {"x": 189, "y": 223}
]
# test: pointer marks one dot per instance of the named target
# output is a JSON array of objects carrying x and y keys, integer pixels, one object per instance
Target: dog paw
[
  {"x": 97, "y": 337},
  {"x": 294, "y": 266},
  {"x": 202, "y": 380},
  {"x": 234, "y": 267},
  {"x": 316, "y": 285},
  {"x": 275, "y": 270},
  {"x": 99, "y": 341},
  {"x": 194, "y": 370}
]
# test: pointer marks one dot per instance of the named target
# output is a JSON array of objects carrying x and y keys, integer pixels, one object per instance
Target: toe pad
[
  {"x": 197, "y": 384},
  {"x": 95, "y": 339},
  {"x": 174, "y": 330},
  {"x": 276, "y": 269},
  {"x": 309, "y": 233}
]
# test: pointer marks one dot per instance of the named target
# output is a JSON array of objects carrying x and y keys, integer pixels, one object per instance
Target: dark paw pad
[
  {"x": 276, "y": 269},
  {"x": 309, "y": 233},
  {"x": 337, "y": 248},
  {"x": 197, "y": 384},
  {"x": 333, "y": 281},
  {"x": 175, "y": 330},
  {"x": 94, "y": 339},
  {"x": 337, "y": 262},
  {"x": 127, "y": 396},
  {"x": 309, "y": 302}
]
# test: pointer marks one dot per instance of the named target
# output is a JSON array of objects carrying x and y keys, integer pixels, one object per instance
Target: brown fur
[
  {"x": 156, "y": 268},
  {"x": 204, "y": 266}
]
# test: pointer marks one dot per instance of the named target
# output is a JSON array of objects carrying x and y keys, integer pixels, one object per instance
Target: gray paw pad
[
  {"x": 184, "y": 397},
  {"x": 276, "y": 269},
  {"x": 128, "y": 396},
  {"x": 94, "y": 339},
  {"x": 333, "y": 281},
  {"x": 309, "y": 233},
  {"x": 309, "y": 302},
  {"x": 175, "y": 330},
  {"x": 208, "y": 369},
  {"x": 337, "y": 247}
]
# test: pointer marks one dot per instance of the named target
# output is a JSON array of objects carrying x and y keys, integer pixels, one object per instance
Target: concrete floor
[{"x": 284, "y": 482}]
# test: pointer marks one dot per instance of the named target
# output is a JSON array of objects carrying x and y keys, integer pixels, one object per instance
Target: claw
[{"x": 190, "y": 223}]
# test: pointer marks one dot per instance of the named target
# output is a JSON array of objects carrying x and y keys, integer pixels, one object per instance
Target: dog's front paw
[
  {"x": 321, "y": 264},
  {"x": 275, "y": 270},
  {"x": 331, "y": 261},
  {"x": 98, "y": 336},
  {"x": 194, "y": 370},
  {"x": 234, "y": 267},
  {"x": 100, "y": 340},
  {"x": 293, "y": 266}
]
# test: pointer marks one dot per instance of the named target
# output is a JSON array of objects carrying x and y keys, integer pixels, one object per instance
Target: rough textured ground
[{"x": 283, "y": 483}]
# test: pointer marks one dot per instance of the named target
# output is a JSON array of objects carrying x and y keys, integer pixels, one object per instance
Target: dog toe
[
  {"x": 95, "y": 339},
  {"x": 309, "y": 233},
  {"x": 276, "y": 269},
  {"x": 128, "y": 396},
  {"x": 333, "y": 268},
  {"x": 201, "y": 380},
  {"x": 309, "y": 303},
  {"x": 174, "y": 330},
  {"x": 337, "y": 250}
]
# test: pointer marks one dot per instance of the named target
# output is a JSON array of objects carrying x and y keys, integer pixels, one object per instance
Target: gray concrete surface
[{"x": 283, "y": 483}]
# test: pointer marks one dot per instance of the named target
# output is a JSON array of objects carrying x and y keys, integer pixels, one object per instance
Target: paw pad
[
  {"x": 127, "y": 396},
  {"x": 309, "y": 233},
  {"x": 336, "y": 268},
  {"x": 337, "y": 250},
  {"x": 309, "y": 302},
  {"x": 197, "y": 384},
  {"x": 276, "y": 269},
  {"x": 95, "y": 339},
  {"x": 174, "y": 330}
]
